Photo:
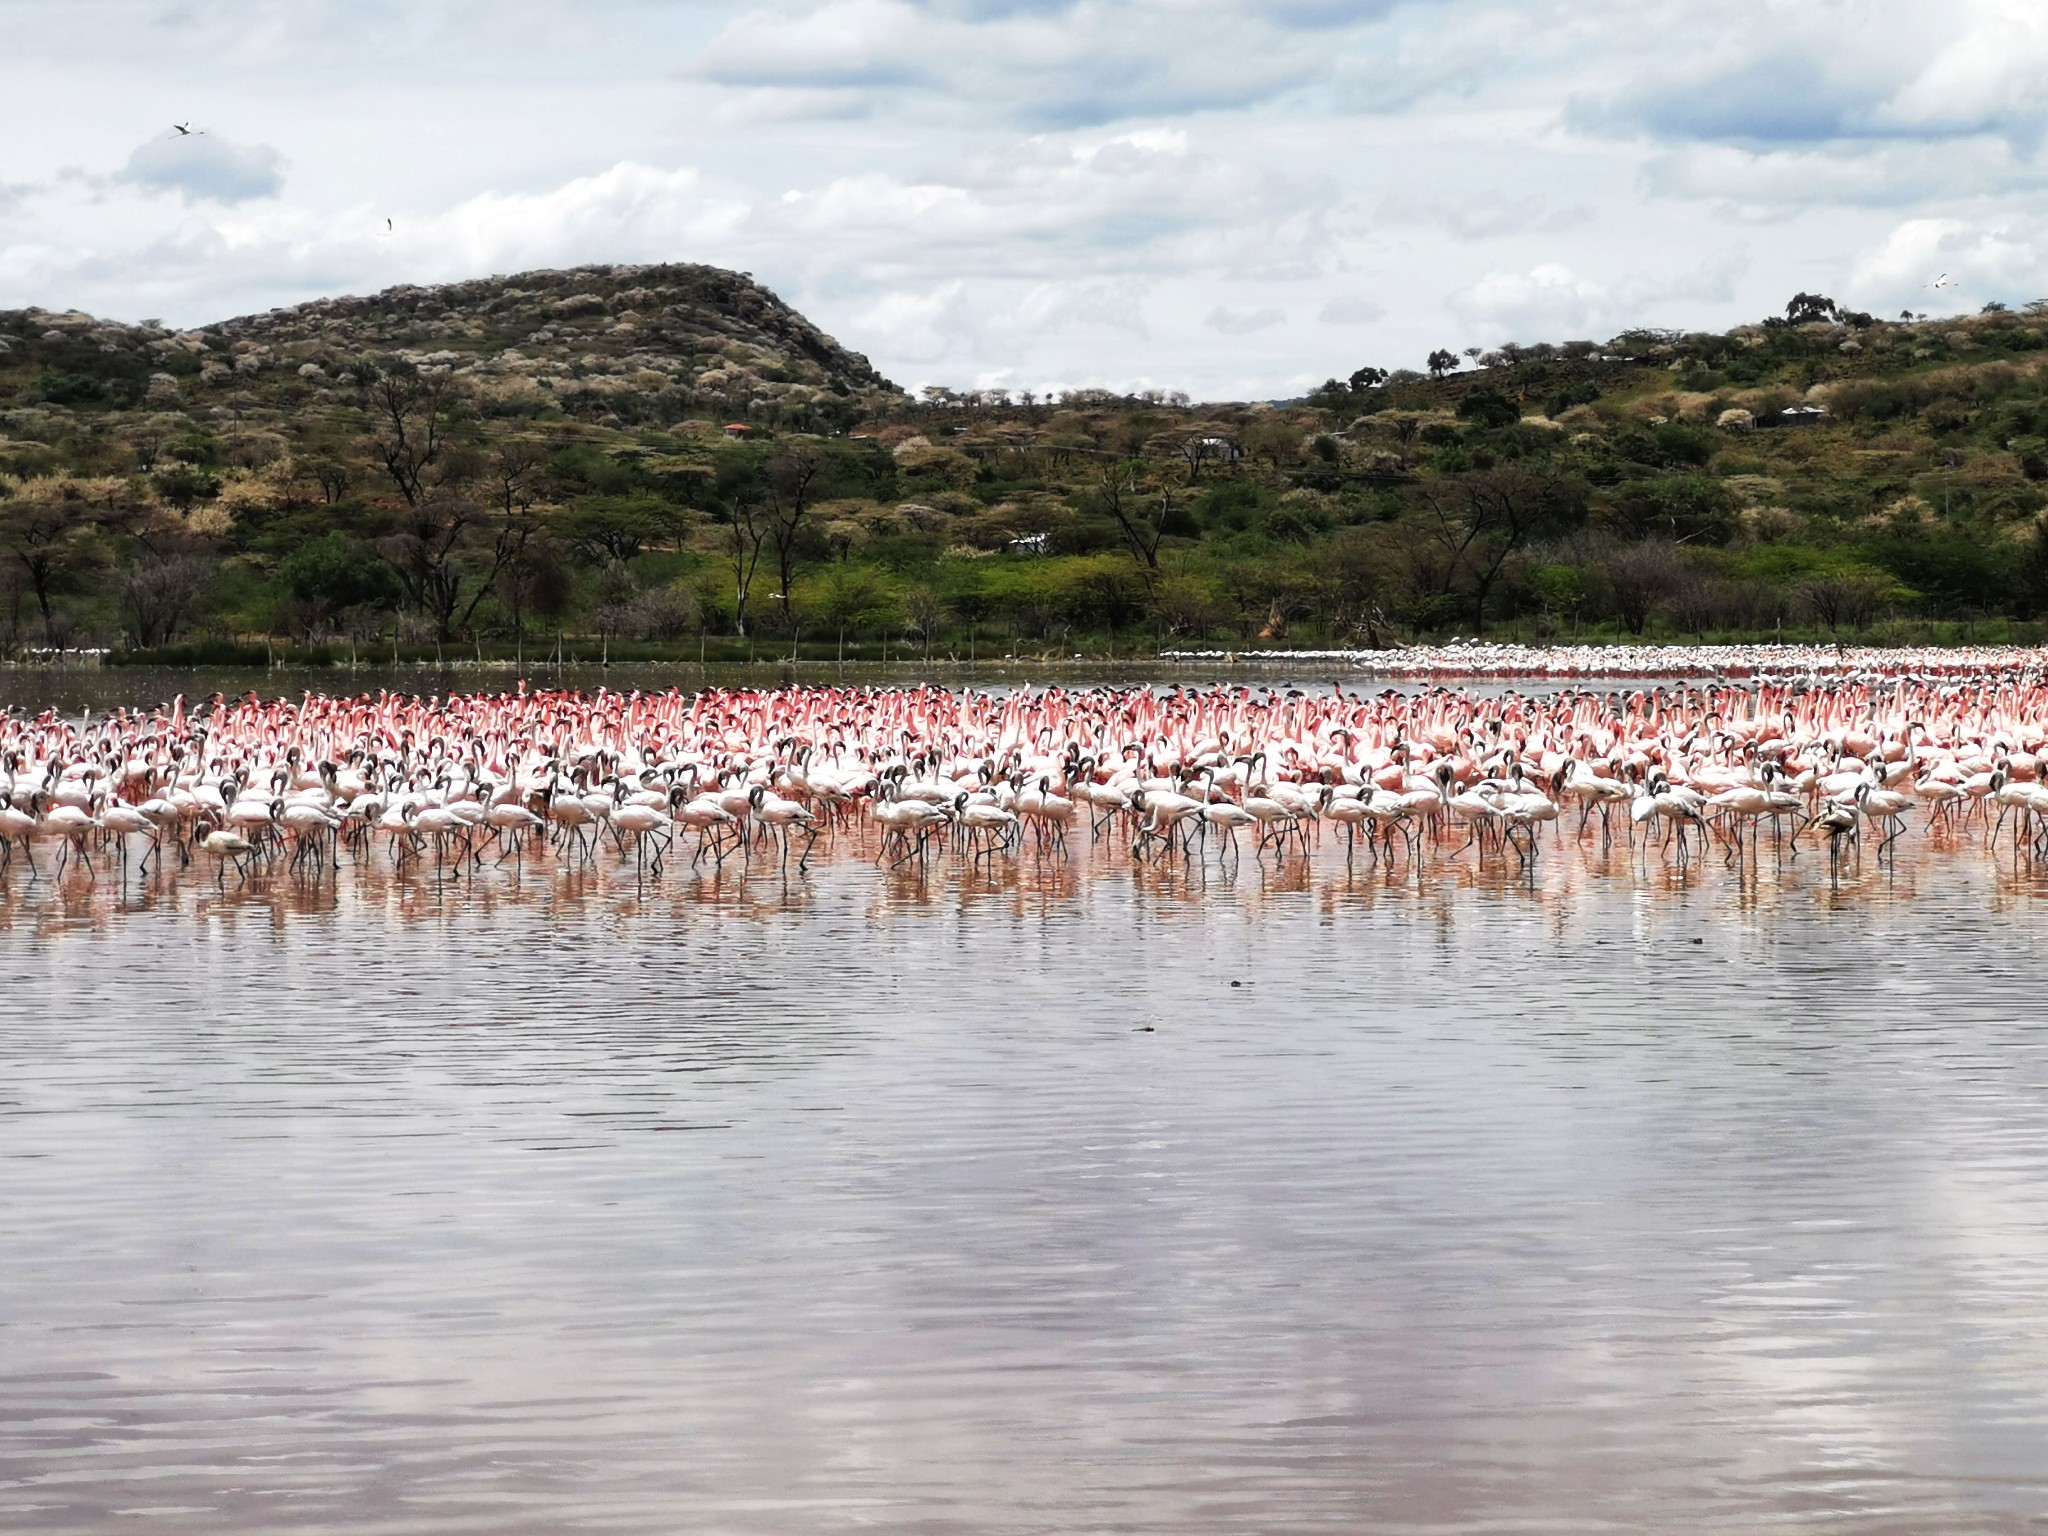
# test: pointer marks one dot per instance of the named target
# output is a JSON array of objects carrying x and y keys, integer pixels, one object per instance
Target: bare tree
[
  {"x": 1642, "y": 576},
  {"x": 790, "y": 481},
  {"x": 746, "y": 532},
  {"x": 923, "y": 612},
  {"x": 1139, "y": 516},
  {"x": 171, "y": 562},
  {"x": 450, "y": 547},
  {"x": 1843, "y": 600},
  {"x": 157, "y": 594},
  {"x": 514, "y": 479},
  {"x": 1406, "y": 426},
  {"x": 617, "y": 593},
  {"x": 535, "y": 582},
  {"x": 1697, "y": 603},
  {"x": 410, "y": 411}
]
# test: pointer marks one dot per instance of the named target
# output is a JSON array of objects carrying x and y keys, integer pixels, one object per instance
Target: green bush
[{"x": 340, "y": 572}]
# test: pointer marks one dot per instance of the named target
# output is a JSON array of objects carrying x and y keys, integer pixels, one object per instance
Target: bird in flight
[
  {"x": 1943, "y": 281},
  {"x": 387, "y": 226},
  {"x": 186, "y": 130}
]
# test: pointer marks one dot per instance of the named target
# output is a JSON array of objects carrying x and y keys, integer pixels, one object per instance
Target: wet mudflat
[{"x": 1029, "y": 1195}]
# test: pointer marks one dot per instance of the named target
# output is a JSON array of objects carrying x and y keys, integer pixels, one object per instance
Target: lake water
[
  {"x": 101, "y": 688},
  {"x": 1047, "y": 1197},
  {"x": 72, "y": 689}
]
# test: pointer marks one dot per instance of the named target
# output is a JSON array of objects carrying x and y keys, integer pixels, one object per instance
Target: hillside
[
  {"x": 551, "y": 452},
  {"x": 622, "y": 344}
]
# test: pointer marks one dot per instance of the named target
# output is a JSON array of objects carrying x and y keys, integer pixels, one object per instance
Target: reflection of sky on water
[{"x": 550, "y": 1199}]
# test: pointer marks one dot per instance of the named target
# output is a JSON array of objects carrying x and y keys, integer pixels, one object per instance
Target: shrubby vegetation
[{"x": 661, "y": 459}]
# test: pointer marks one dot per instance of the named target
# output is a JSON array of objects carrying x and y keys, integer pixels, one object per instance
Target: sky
[{"x": 1235, "y": 198}]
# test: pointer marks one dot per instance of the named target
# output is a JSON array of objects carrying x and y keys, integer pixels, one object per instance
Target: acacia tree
[
  {"x": 1141, "y": 517},
  {"x": 790, "y": 482},
  {"x": 535, "y": 582},
  {"x": 42, "y": 536},
  {"x": 740, "y": 496},
  {"x": 328, "y": 474},
  {"x": 1351, "y": 581},
  {"x": 1846, "y": 599},
  {"x": 1272, "y": 437},
  {"x": 1804, "y": 308},
  {"x": 612, "y": 530},
  {"x": 1197, "y": 446},
  {"x": 50, "y": 527},
  {"x": 425, "y": 553},
  {"x": 515, "y": 478},
  {"x": 1478, "y": 521},
  {"x": 450, "y": 548},
  {"x": 850, "y": 599}
]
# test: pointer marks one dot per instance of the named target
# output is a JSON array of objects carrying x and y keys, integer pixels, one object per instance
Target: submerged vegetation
[{"x": 665, "y": 459}]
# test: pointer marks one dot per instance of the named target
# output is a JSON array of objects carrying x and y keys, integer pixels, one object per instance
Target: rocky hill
[
  {"x": 1822, "y": 469},
  {"x": 622, "y": 345}
]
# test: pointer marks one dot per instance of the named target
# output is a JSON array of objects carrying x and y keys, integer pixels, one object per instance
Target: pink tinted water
[{"x": 1040, "y": 1197}]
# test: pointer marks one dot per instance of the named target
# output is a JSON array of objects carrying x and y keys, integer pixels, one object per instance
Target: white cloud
[
  {"x": 853, "y": 43},
  {"x": 1993, "y": 71},
  {"x": 2006, "y": 260},
  {"x": 1546, "y": 300},
  {"x": 204, "y": 165},
  {"x": 1551, "y": 302},
  {"x": 1761, "y": 184},
  {"x": 1243, "y": 322},
  {"x": 1481, "y": 215},
  {"x": 1057, "y": 67},
  {"x": 641, "y": 212},
  {"x": 1113, "y": 304},
  {"x": 1137, "y": 193},
  {"x": 1350, "y": 312},
  {"x": 920, "y": 327}
]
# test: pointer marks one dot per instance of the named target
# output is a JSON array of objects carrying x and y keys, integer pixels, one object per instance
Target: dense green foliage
[{"x": 1826, "y": 473}]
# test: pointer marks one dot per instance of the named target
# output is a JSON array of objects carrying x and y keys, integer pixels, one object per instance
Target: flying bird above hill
[
  {"x": 1943, "y": 281},
  {"x": 186, "y": 130}
]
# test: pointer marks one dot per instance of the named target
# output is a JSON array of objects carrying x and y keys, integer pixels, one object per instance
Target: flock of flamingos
[{"x": 1839, "y": 757}]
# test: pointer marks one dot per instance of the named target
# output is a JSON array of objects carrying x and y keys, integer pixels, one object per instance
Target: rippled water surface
[
  {"x": 102, "y": 689},
  {"x": 1043, "y": 1198}
]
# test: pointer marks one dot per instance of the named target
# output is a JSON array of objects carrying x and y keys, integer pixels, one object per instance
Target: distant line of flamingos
[
  {"x": 1464, "y": 659},
  {"x": 1164, "y": 772}
]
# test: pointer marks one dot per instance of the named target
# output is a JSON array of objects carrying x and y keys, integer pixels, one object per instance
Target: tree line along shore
[{"x": 454, "y": 473}]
